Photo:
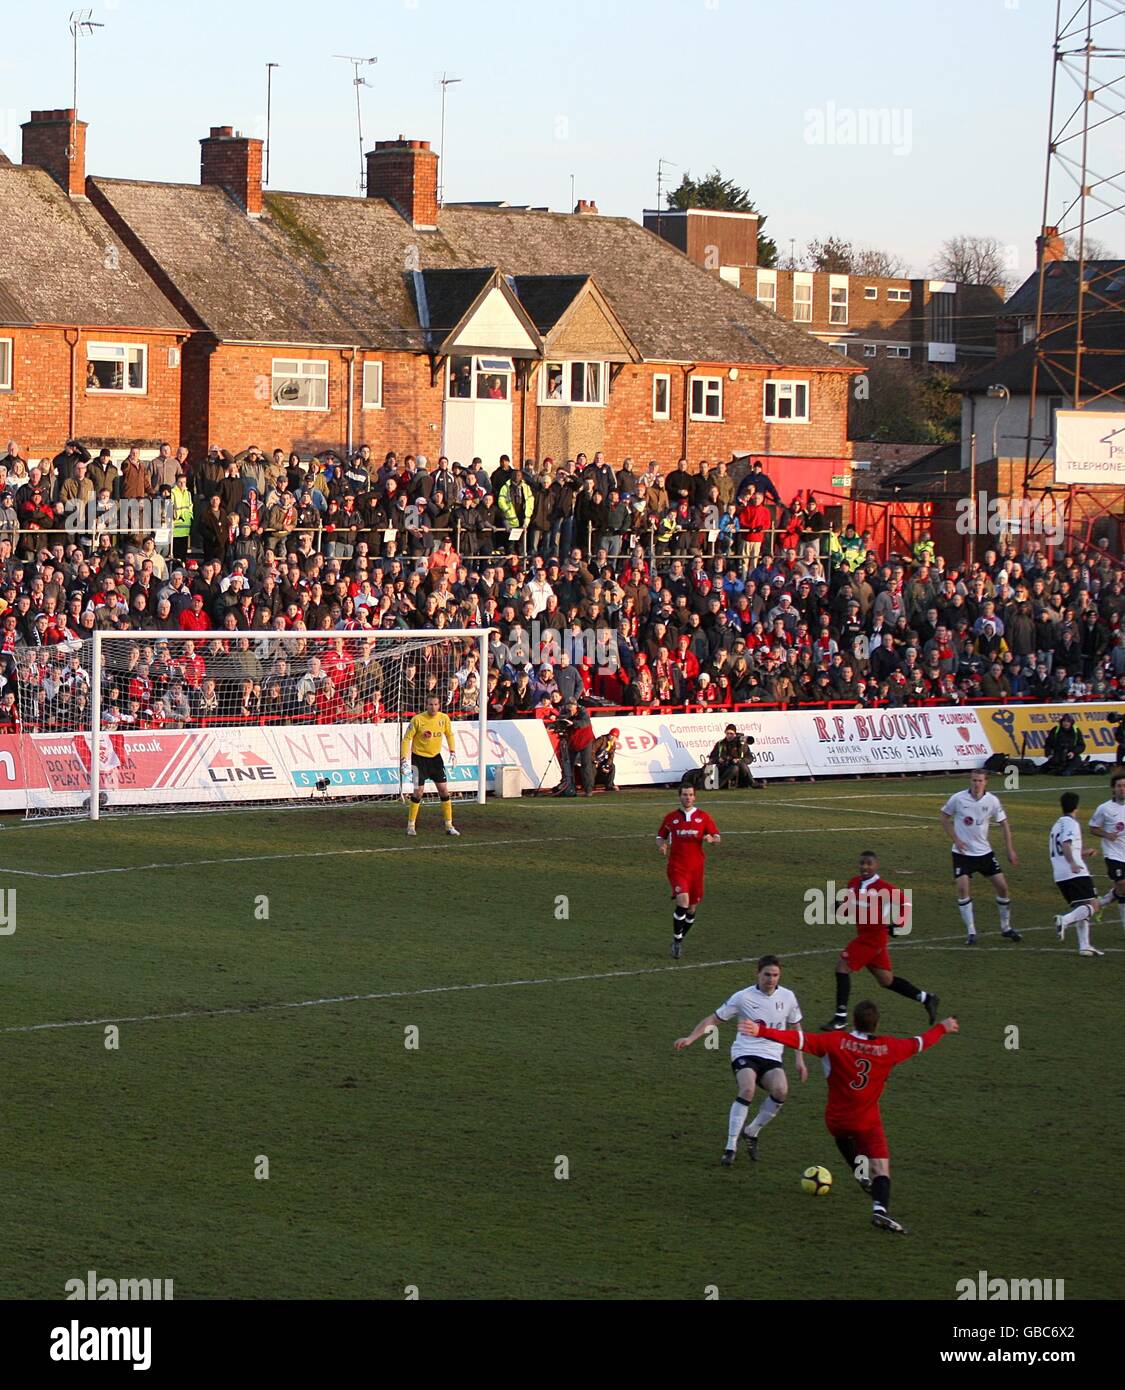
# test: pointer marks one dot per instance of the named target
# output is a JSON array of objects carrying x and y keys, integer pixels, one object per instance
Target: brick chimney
[
  {"x": 233, "y": 161},
  {"x": 47, "y": 145},
  {"x": 1050, "y": 246},
  {"x": 586, "y": 209},
  {"x": 405, "y": 172}
]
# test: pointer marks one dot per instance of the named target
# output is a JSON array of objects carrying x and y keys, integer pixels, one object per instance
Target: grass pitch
[{"x": 541, "y": 1140}]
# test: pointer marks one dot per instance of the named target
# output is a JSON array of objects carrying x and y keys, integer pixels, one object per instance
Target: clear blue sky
[{"x": 597, "y": 88}]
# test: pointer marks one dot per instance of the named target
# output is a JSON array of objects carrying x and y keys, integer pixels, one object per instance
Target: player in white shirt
[
  {"x": 966, "y": 817},
  {"x": 755, "y": 1060},
  {"x": 1108, "y": 825},
  {"x": 1071, "y": 874}
]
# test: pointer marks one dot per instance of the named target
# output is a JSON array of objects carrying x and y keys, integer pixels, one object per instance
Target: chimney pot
[
  {"x": 405, "y": 173},
  {"x": 1050, "y": 246},
  {"x": 234, "y": 163},
  {"x": 47, "y": 146}
]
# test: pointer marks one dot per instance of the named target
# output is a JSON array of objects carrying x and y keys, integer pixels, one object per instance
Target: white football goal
[{"x": 171, "y": 721}]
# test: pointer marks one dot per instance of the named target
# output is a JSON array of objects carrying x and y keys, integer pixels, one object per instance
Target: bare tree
[
  {"x": 869, "y": 260},
  {"x": 1094, "y": 250},
  {"x": 842, "y": 258},
  {"x": 972, "y": 260}
]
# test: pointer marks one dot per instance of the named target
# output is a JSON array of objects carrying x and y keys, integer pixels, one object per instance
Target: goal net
[{"x": 154, "y": 721}]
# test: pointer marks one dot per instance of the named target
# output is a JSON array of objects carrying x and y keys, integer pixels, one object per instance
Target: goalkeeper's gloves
[
  {"x": 452, "y": 758},
  {"x": 405, "y": 771}
]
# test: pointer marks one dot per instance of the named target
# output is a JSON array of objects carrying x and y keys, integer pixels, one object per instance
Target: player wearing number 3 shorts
[
  {"x": 859, "y": 1065},
  {"x": 681, "y": 838}
]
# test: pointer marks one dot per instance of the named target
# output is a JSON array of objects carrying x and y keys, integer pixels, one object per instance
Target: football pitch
[{"x": 454, "y": 1057}]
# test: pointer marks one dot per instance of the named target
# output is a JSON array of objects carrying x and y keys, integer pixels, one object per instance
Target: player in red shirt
[
  {"x": 858, "y": 1065},
  {"x": 680, "y": 839},
  {"x": 875, "y": 907}
]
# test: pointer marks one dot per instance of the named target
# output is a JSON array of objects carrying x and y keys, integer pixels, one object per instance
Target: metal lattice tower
[{"x": 1080, "y": 354}]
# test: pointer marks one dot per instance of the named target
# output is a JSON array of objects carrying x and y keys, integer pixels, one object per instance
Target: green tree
[
  {"x": 723, "y": 195},
  {"x": 833, "y": 254},
  {"x": 904, "y": 406}
]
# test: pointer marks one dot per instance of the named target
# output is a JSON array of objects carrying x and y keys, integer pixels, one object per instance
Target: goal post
[{"x": 177, "y": 720}]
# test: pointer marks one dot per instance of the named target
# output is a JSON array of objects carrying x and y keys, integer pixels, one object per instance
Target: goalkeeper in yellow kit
[{"x": 422, "y": 761}]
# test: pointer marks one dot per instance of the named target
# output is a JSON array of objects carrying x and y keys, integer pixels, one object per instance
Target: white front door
[{"x": 477, "y": 420}]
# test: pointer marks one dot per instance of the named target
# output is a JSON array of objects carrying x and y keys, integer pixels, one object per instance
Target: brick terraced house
[
  {"x": 314, "y": 322},
  {"x": 88, "y": 345},
  {"x": 329, "y": 321}
]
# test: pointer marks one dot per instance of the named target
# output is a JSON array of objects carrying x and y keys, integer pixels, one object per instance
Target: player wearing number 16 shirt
[
  {"x": 681, "y": 838},
  {"x": 966, "y": 817},
  {"x": 1073, "y": 878},
  {"x": 858, "y": 1065}
]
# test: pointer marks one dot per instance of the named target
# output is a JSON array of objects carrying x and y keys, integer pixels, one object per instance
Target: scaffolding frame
[{"x": 1085, "y": 138}]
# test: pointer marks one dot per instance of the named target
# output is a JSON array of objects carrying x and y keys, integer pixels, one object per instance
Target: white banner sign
[
  {"x": 891, "y": 740},
  {"x": 1090, "y": 446},
  {"x": 657, "y": 748},
  {"x": 289, "y": 762}
]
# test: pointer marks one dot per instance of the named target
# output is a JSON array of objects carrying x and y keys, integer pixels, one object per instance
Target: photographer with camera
[
  {"x": 603, "y": 753},
  {"x": 731, "y": 757},
  {"x": 575, "y": 750},
  {"x": 1063, "y": 748}
]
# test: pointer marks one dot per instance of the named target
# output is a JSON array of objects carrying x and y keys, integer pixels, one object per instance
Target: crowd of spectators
[{"x": 627, "y": 587}]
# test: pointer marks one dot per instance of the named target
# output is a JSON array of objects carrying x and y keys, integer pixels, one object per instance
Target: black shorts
[
  {"x": 1077, "y": 890},
  {"x": 971, "y": 864},
  {"x": 761, "y": 1065},
  {"x": 428, "y": 769},
  {"x": 1115, "y": 870}
]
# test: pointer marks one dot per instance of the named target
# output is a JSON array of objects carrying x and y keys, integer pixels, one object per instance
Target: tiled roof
[
  {"x": 61, "y": 263},
  {"x": 1103, "y": 364},
  {"x": 322, "y": 269},
  {"x": 449, "y": 295},
  {"x": 547, "y": 297},
  {"x": 1060, "y": 288}
]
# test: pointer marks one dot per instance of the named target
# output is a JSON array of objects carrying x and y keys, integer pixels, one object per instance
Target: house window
[
  {"x": 116, "y": 367},
  {"x": 767, "y": 288},
  {"x": 787, "y": 400},
  {"x": 494, "y": 379},
  {"x": 480, "y": 378},
  {"x": 871, "y": 349},
  {"x": 871, "y": 291},
  {"x": 5, "y": 364},
  {"x": 900, "y": 296},
  {"x": 373, "y": 386},
  {"x": 299, "y": 385},
  {"x": 838, "y": 299},
  {"x": 802, "y": 298},
  {"x": 574, "y": 383},
  {"x": 662, "y": 397},
  {"x": 841, "y": 348},
  {"x": 893, "y": 351},
  {"x": 706, "y": 398}
]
